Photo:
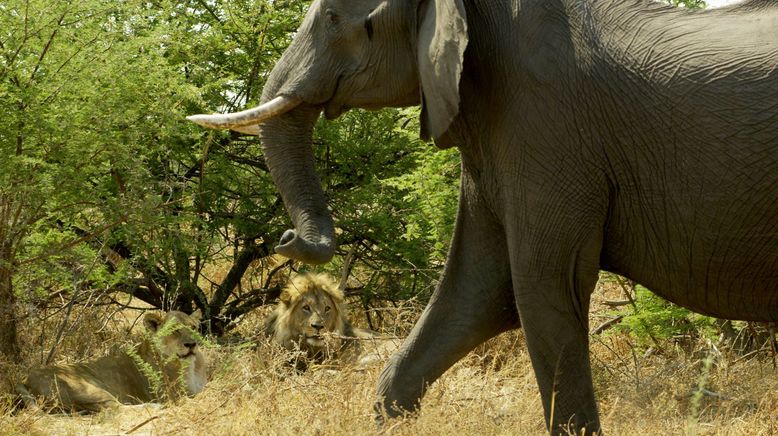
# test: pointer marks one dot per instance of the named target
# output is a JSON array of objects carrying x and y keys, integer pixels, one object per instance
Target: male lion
[
  {"x": 166, "y": 361},
  {"x": 311, "y": 317}
]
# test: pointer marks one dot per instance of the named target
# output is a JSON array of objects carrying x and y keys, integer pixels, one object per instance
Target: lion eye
[
  {"x": 326, "y": 309},
  {"x": 307, "y": 308}
]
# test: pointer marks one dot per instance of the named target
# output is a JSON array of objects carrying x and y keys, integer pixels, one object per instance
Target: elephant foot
[
  {"x": 577, "y": 427},
  {"x": 395, "y": 398}
]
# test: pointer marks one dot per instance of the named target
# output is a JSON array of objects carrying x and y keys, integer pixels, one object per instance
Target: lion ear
[
  {"x": 152, "y": 321},
  {"x": 196, "y": 315},
  {"x": 285, "y": 297},
  {"x": 336, "y": 294}
]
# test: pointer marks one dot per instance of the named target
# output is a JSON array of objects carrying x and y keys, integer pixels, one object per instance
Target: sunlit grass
[{"x": 492, "y": 391}]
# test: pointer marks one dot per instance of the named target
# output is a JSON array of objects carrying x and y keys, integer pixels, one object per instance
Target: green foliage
[
  {"x": 654, "y": 319},
  {"x": 110, "y": 189},
  {"x": 689, "y": 4},
  {"x": 83, "y": 101},
  {"x": 431, "y": 192},
  {"x": 393, "y": 197},
  {"x": 60, "y": 269},
  {"x": 153, "y": 373}
]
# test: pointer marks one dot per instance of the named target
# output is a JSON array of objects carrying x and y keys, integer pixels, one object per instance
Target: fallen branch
[
  {"x": 607, "y": 324},
  {"x": 142, "y": 424},
  {"x": 615, "y": 303},
  {"x": 752, "y": 353}
]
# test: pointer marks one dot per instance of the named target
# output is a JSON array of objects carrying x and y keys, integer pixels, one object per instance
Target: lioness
[
  {"x": 166, "y": 361},
  {"x": 311, "y": 317}
]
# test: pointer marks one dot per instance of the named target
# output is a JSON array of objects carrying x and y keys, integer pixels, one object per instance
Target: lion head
[
  {"x": 311, "y": 308},
  {"x": 174, "y": 333},
  {"x": 175, "y": 339}
]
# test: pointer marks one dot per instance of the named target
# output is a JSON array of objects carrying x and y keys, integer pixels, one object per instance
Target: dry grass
[{"x": 491, "y": 391}]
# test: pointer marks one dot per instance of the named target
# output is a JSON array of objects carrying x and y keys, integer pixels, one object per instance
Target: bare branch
[
  {"x": 347, "y": 264},
  {"x": 46, "y": 48},
  {"x": 606, "y": 325}
]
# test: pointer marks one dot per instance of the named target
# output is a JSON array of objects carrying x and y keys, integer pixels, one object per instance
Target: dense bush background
[{"x": 109, "y": 197}]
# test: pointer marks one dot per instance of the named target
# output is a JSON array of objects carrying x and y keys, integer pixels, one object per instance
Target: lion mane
[
  {"x": 167, "y": 363},
  {"x": 311, "y": 318}
]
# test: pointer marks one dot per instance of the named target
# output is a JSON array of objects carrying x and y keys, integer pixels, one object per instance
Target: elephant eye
[
  {"x": 369, "y": 28},
  {"x": 332, "y": 17}
]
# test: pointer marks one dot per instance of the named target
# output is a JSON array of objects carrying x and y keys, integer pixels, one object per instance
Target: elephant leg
[
  {"x": 552, "y": 290},
  {"x": 472, "y": 303}
]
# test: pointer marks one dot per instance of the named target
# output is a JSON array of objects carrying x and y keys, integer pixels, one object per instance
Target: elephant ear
[{"x": 442, "y": 42}]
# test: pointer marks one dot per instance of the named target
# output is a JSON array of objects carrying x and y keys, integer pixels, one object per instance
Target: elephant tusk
[{"x": 246, "y": 121}]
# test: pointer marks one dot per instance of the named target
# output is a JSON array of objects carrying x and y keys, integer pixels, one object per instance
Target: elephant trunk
[
  {"x": 290, "y": 105},
  {"x": 287, "y": 146}
]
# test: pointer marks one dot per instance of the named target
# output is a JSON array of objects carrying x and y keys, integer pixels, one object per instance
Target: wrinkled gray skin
[{"x": 618, "y": 135}]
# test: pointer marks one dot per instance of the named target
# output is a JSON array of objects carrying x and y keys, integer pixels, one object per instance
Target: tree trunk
[{"x": 9, "y": 344}]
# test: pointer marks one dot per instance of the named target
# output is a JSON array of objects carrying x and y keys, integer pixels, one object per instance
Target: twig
[
  {"x": 752, "y": 353},
  {"x": 606, "y": 325},
  {"x": 704, "y": 392},
  {"x": 371, "y": 338},
  {"x": 275, "y": 269},
  {"x": 68, "y": 310},
  {"x": 773, "y": 343},
  {"x": 613, "y": 303},
  {"x": 142, "y": 424},
  {"x": 346, "y": 270},
  {"x": 626, "y": 285}
]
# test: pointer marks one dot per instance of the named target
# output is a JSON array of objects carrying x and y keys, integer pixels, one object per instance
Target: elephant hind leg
[
  {"x": 472, "y": 303},
  {"x": 553, "y": 304}
]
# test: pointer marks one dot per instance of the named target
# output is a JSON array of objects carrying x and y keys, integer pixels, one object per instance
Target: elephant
[{"x": 625, "y": 136}]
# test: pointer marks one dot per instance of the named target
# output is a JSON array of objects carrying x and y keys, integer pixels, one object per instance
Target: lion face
[
  {"x": 315, "y": 314},
  {"x": 174, "y": 333},
  {"x": 309, "y": 312}
]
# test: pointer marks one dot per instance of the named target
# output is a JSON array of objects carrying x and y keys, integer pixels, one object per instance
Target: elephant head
[{"x": 349, "y": 54}]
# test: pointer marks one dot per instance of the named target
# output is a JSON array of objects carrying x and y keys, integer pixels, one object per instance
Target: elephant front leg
[
  {"x": 473, "y": 302},
  {"x": 552, "y": 294}
]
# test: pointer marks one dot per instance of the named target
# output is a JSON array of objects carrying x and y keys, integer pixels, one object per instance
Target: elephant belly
[{"x": 731, "y": 281}]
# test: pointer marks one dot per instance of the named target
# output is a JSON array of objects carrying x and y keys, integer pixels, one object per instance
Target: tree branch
[
  {"x": 250, "y": 253},
  {"x": 46, "y": 48}
]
